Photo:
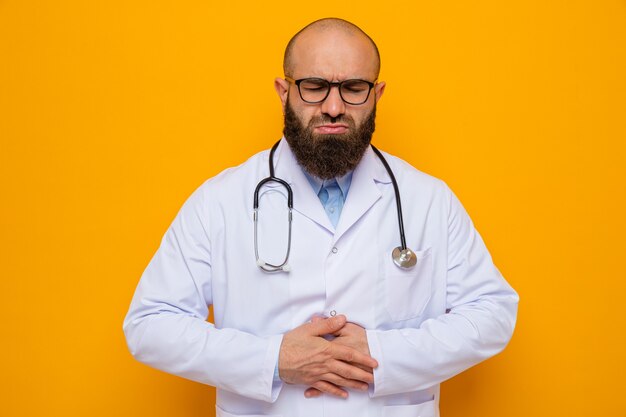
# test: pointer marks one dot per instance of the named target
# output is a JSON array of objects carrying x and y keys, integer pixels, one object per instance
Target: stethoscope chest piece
[{"x": 404, "y": 258}]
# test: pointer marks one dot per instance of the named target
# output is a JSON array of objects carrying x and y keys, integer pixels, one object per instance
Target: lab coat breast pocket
[{"x": 409, "y": 290}]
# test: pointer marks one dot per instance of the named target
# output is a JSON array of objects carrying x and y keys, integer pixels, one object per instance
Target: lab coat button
[
  {"x": 335, "y": 250},
  {"x": 333, "y": 313}
]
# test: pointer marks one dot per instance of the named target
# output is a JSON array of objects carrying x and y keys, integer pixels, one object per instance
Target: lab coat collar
[
  {"x": 363, "y": 189},
  {"x": 364, "y": 192},
  {"x": 305, "y": 201}
]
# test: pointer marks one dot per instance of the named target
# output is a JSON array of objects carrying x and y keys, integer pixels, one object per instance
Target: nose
[{"x": 333, "y": 105}]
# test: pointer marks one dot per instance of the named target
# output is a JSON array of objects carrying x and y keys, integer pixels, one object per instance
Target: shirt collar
[{"x": 317, "y": 183}]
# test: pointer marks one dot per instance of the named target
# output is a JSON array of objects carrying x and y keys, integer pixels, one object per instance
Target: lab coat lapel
[
  {"x": 305, "y": 201},
  {"x": 363, "y": 193}
]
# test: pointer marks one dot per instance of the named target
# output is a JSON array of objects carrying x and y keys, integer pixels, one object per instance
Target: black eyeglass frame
[{"x": 331, "y": 85}]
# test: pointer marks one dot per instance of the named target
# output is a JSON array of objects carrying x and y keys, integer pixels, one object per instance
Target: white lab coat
[{"x": 424, "y": 325}]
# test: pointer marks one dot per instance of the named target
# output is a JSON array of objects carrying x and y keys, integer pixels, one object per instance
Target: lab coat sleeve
[
  {"x": 166, "y": 325},
  {"x": 481, "y": 316}
]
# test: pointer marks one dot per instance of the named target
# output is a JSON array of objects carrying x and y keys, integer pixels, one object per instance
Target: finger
[
  {"x": 329, "y": 388},
  {"x": 350, "y": 372},
  {"x": 345, "y": 328},
  {"x": 339, "y": 381},
  {"x": 365, "y": 368},
  {"x": 312, "y": 393},
  {"x": 350, "y": 329},
  {"x": 316, "y": 319},
  {"x": 326, "y": 326},
  {"x": 351, "y": 355},
  {"x": 339, "y": 332}
]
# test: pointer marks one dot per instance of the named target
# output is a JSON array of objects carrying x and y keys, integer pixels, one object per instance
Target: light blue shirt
[{"x": 332, "y": 193}]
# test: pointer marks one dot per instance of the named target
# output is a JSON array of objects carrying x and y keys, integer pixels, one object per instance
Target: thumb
[{"x": 327, "y": 326}]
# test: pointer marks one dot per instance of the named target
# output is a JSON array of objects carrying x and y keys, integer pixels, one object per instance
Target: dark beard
[{"x": 328, "y": 156}]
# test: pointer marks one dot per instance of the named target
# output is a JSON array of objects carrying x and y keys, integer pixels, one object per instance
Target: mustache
[{"x": 325, "y": 119}]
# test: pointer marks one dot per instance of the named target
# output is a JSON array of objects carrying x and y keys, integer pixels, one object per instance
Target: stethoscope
[{"x": 401, "y": 255}]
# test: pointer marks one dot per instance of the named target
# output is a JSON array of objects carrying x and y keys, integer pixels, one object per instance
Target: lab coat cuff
[
  {"x": 271, "y": 365},
  {"x": 376, "y": 353}
]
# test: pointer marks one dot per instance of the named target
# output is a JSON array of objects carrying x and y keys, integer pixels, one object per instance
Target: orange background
[{"x": 112, "y": 113}]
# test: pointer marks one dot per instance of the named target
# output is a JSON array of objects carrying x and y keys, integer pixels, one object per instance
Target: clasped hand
[{"x": 307, "y": 358}]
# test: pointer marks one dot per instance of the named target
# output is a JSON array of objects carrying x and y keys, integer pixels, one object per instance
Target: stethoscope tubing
[
  {"x": 401, "y": 255},
  {"x": 396, "y": 190},
  {"x": 265, "y": 266},
  {"x": 273, "y": 178}
]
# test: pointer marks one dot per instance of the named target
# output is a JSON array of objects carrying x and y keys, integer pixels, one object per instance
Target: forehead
[{"x": 335, "y": 55}]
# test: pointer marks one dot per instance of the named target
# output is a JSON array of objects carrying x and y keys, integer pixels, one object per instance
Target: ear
[
  {"x": 282, "y": 89},
  {"x": 379, "y": 89}
]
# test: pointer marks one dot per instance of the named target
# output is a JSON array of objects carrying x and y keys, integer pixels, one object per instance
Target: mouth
[{"x": 331, "y": 129}]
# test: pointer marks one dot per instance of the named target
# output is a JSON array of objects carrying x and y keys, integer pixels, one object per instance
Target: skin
[
  {"x": 306, "y": 357},
  {"x": 350, "y": 335},
  {"x": 335, "y": 55}
]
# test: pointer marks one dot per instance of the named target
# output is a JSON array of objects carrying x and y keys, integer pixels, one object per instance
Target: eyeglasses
[{"x": 315, "y": 90}]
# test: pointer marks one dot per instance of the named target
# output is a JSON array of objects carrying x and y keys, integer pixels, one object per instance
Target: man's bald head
[{"x": 321, "y": 26}]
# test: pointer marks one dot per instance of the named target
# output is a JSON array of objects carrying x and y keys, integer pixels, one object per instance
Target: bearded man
[{"x": 318, "y": 309}]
